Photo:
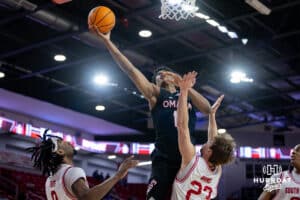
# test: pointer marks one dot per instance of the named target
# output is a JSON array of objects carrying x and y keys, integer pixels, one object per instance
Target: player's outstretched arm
[
  {"x": 186, "y": 148},
  {"x": 148, "y": 89},
  {"x": 82, "y": 192},
  {"x": 212, "y": 124},
  {"x": 198, "y": 100}
]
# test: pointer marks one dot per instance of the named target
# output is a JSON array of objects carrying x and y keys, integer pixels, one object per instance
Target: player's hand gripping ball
[{"x": 101, "y": 18}]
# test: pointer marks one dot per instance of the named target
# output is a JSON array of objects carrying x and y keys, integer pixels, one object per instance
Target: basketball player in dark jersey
[{"x": 162, "y": 97}]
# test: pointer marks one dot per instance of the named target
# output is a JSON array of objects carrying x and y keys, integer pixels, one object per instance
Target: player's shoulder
[
  {"x": 73, "y": 173},
  {"x": 75, "y": 169}
]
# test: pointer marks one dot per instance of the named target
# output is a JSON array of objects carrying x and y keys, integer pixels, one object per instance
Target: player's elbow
[
  {"x": 207, "y": 109},
  {"x": 203, "y": 106}
]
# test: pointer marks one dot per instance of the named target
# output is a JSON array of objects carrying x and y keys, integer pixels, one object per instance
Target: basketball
[{"x": 102, "y": 18}]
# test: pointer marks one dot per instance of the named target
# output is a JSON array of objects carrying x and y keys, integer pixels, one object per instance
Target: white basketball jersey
[
  {"x": 59, "y": 186},
  {"x": 289, "y": 187},
  {"x": 196, "y": 181}
]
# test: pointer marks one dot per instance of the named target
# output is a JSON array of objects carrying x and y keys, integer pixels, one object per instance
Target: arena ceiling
[{"x": 33, "y": 32}]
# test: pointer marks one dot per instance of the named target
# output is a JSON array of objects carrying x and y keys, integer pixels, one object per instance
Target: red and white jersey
[
  {"x": 196, "y": 181},
  {"x": 289, "y": 186},
  {"x": 59, "y": 186}
]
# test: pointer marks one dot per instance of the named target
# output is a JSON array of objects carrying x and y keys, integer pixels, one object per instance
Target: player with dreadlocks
[{"x": 54, "y": 157}]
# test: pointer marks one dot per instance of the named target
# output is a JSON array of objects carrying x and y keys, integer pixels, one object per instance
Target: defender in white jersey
[
  {"x": 54, "y": 157},
  {"x": 286, "y": 185},
  {"x": 59, "y": 186},
  {"x": 198, "y": 176}
]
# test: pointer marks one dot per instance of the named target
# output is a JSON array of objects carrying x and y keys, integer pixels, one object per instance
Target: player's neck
[
  {"x": 211, "y": 166},
  {"x": 68, "y": 161}
]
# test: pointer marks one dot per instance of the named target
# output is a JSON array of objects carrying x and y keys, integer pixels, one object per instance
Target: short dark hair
[
  {"x": 222, "y": 150},
  {"x": 44, "y": 158},
  {"x": 161, "y": 68}
]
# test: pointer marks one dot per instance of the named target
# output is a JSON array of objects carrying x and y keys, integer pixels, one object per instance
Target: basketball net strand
[{"x": 178, "y": 9}]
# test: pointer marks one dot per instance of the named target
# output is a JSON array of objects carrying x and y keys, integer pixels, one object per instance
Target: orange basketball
[{"x": 101, "y": 18}]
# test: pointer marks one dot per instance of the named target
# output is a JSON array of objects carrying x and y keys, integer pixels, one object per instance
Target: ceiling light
[
  {"x": 232, "y": 35},
  {"x": 246, "y": 79},
  {"x": 235, "y": 80},
  {"x": 237, "y": 77},
  {"x": 134, "y": 92},
  {"x": 238, "y": 74},
  {"x": 60, "y": 57},
  {"x": 2, "y": 74},
  {"x": 144, "y": 163},
  {"x": 101, "y": 79},
  {"x": 100, "y": 108},
  {"x": 244, "y": 41},
  {"x": 221, "y": 130},
  {"x": 223, "y": 29},
  {"x": 202, "y": 16},
  {"x": 212, "y": 22},
  {"x": 145, "y": 33},
  {"x": 111, "y": 157}
]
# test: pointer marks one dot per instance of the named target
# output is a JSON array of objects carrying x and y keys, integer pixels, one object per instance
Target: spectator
[
  {"x": 54, "y": 157},
  {"x": 107, "y": 176},
  {"x": 96, "y": 174},
  {"x": 101, "y": 177}
]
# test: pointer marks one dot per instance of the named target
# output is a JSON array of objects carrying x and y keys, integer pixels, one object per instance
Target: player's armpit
[
  {"x": 147, "y": 88},
  {"x": 80, "y": 188},
  {"x": 266, "y": 195}
]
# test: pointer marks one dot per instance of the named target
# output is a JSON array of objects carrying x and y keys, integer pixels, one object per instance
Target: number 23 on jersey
[{"x": 207, "y": 190}]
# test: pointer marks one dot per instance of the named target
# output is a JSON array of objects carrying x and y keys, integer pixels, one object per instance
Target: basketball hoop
[{"x": 178, "y": 9}]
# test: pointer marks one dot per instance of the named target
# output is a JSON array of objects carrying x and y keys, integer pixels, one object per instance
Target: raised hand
[
  {"x": 217, "y": 104},
  {"x": 125, "y": 166},
  {"x": 103, "y": 36},
  {"x": 188, "y": 81}
]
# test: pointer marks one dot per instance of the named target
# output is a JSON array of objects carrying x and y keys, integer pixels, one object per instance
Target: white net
[{"x": 178, "y": 9}]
